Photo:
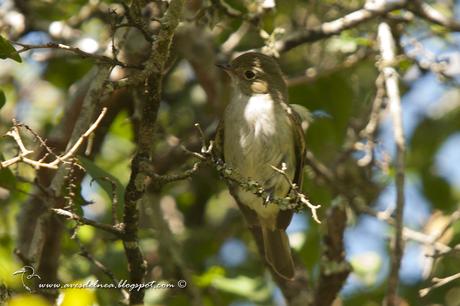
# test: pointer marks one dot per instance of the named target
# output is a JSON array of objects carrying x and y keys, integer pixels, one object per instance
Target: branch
[
  {"x": 408, "y": 233},
  {"x": 294, "y": 200},
  {"x": 449, "y": 251},
  {"x": 369, "y": 12},
  {"x": 334, "y": 269},
  {"x": 426, "y": 59},
  {"x": 328, "y": 29},
  {"x": 227, "y": 9},
  {"x": 37, "y": 164},
  {"x": 71, "y": 216},
  {"x": 314, "y": 73},
  {"x": 388, "y": 53},
  {"x": 298, "y": 196},
  {"x": 426, "y": 11},
  {"x": 370, "y": 130},
  {"x": 84, "y": 253},
  {"x": 151, "y": 79},
  {"x": 235, "y": 38},
  {"x": 439, "y": 282},
  {"x": 161, "y": 180},
  {"x": 51, "y": 45}
]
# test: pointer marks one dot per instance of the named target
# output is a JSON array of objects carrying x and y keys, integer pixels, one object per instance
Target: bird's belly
[{"x": 254, "y": 141}]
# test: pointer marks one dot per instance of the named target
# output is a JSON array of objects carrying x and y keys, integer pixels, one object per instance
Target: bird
[{"x": 260, "y": 130}]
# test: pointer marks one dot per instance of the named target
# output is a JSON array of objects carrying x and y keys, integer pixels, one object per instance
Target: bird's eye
[{"x": 249, "y": 75}]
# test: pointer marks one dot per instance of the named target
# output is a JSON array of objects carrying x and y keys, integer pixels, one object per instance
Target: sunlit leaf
[
  {"x": 254, "y": 289},
  {"x": 78, "y": 297},
  {"x": 250, "y": 288},
  {"x": 29, "y": 300}
]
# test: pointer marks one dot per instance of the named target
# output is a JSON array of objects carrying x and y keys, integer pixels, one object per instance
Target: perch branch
[{"x": 294, "y": 200}]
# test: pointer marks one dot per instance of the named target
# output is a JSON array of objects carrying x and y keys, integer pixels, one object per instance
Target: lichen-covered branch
[
  {"x": 151, "y": 77},
  {"x": 295, "y": 200}
]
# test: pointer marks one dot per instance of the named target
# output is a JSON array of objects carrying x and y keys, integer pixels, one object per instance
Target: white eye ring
[{"x": 249, "y": 75}]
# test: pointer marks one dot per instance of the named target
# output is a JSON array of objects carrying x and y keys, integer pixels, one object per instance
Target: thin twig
[
  {"x": 37, "y": 164},
  {"x": 438, "y": 282},
  {"x": 334, "y": 27},
  {"x": 169, "y": 178},
  {"x": 105, "y": 227},
  {"x": 300, "y": 196},
  {"x": 75, "y": 50},
  {"x": 86, "y": 254},
  {"x": 369, "y": 131},
  {"x": 370, "y": 11}
]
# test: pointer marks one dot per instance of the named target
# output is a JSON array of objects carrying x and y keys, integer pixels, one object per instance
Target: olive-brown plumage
[{"x": 259, "y": 130}]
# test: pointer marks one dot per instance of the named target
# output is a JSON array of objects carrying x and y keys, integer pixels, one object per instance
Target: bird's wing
[
  {"x": 219, "y": 142},
  {"x": 305, "y": 115},
  {"x": 300, "y": 146},
  {"x": 285, "y": 216}
]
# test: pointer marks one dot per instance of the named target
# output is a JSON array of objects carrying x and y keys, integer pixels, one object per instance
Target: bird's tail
[{"x": 278, "y": 252}]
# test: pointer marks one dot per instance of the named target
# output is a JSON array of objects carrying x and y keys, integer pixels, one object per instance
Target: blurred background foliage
[{"x": 334, "y": 78}]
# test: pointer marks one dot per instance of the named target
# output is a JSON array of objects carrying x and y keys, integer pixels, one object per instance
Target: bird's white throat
[{"x": 259, "y": 113}]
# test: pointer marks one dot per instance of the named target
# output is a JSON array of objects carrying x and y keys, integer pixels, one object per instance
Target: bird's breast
[
  {"x": 257, "y": 135},
  {"x": 249, "y": 127},
  {"x": 259, "y": 116}
]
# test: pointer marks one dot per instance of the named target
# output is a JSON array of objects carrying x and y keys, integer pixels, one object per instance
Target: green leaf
[
  {"x": 253, "y": 289},
  {"x": 104, "y": 179},
  {"x": 8, "y": 51},
  {"x": 57, "y": 69},
  {"x": 2, "y": 99}
]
